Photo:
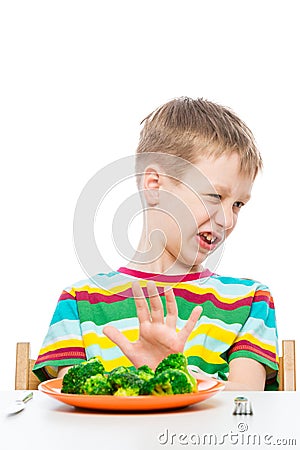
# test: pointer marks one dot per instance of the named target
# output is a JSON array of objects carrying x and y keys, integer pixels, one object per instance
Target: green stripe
[
  {"x": 102, "y": 313},
  {"x": 211, "y": 311},
  {"x": 252, "y": 355},
  {"x": 206, "y": 367}
]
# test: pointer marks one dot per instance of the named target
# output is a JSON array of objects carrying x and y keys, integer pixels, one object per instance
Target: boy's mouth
[{"x": 207, "y": 240}]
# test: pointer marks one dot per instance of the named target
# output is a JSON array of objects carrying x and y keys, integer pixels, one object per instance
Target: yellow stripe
[
  {"x": 52, "y": 371},
  {"x": 111, "y": 290},
  {"x": 209, "y": 356},
  {"x": 92, "y": 338},
  {"x": 198, "y": 290},
  {"x": 215, "y": 332},
  {"x": 111, "y": 364},
  {"x": 188, "y": 287},
  {"x": 62, "y": 344},
  {"x": 132, "y": 335}
]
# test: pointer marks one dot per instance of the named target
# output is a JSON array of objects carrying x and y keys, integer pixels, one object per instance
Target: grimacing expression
[{"x": 201, "y": 211}]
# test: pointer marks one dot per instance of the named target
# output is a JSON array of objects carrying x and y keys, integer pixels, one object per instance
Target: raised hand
[{"x": 158, "y": 337}]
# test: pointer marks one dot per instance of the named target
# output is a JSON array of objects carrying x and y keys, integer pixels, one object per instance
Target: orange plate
[{"x": 142, "y": 402}]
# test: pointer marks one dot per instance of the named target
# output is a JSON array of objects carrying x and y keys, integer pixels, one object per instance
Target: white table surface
[{"x": 49, "y": 424}]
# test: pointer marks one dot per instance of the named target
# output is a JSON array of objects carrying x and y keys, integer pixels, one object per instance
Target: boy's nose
[{"x": 224, "y": 217}]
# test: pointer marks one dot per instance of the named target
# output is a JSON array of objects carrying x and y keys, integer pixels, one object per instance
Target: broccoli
[
  {"x": 118, "y": 370},
  {"x": 76, "y": 376},
  {"x": 97, "y": 385},
  {"x": 145, "y": 373},
  {"x": 168, "y": 382},
  {"x": 173, "y": 361},
  {"x": 125, "y": 383},
  {"x": 176, "y": 361},
  {"x": 170, "y": 377}
]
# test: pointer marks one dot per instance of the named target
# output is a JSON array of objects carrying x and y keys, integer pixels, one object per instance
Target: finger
[
  {"x": 119, "y": 339},
  {"x": 172, "y": 310},
  {"x": 142, "y": 308},
  {"x": 188, "y": 327},
  {"x": 157, "y": 310}
]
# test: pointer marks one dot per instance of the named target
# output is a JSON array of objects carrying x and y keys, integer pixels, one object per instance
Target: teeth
[{"x": 209, "y": 237}]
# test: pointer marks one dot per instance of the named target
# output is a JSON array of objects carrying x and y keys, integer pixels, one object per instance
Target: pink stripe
[
  {"x": 246, "y": 345},
  {"x": 201, "y": 298},
  {"x": 95, "y": 297},
  {"x": 66, "y": 296},
  {"x": 263, "y": 298},
  {"x": 62, "y": 353},
  {"x": 165, "y": 278}
]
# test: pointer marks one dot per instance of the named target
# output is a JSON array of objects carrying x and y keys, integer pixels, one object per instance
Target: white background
[{"x": 76, "y": 80}]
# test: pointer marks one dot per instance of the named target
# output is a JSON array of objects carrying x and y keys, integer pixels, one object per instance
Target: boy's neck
[
  {"x": 158, "y": 267},
  {"x": 146, "y": 257}
]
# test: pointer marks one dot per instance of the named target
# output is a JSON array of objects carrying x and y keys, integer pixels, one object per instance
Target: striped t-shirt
[{"x": 238, "y": 320}]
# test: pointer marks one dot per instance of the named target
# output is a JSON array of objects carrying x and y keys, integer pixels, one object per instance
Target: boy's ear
[{"x": 151, "y": 185}]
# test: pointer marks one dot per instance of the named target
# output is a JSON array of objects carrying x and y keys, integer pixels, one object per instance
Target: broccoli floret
[
  {"x": 173, "y": 361},
  {"x": 125, "y": 383},
  {"x": 145, "y": 373},
  {"x": 176, "y": 361},
  {"x": 118, "y": 370},
  {"x": 97, "y": 385},
  {"x": 169, "y": 382},
  {"x": 77, "y": 375}
]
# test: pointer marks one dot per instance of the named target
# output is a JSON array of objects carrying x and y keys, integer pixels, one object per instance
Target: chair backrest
[
  {"x": 287, "y": 366},
  {"x": 25, "y": 378}
]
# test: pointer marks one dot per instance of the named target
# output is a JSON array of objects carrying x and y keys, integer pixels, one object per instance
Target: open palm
[{"x": 158, "y": 337}]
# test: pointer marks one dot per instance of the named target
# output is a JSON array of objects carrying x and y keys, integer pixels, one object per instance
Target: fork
[
  {"x": 18, "y": 405},
  {"x": 242, "y": 407}
]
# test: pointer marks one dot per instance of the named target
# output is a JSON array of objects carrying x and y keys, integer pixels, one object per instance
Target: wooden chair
[
  {"x": 287, "y": 366},
  {"x": 26, "y": 380},
  {"x": 24, "y": 377}
]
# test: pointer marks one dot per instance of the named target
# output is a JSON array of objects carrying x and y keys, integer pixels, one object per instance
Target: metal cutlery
[
  {"x": 242, "y": 407},
  {"x": 19, "y": 404}
]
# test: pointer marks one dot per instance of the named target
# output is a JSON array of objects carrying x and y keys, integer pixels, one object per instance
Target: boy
[{"x": 196, "y": 163}]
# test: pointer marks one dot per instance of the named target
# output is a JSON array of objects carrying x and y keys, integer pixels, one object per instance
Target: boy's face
[{"x": 196, "y": 223}]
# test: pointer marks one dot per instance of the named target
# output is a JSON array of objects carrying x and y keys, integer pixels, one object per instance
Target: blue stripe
[
  {"x": 122, "y": 325},
  {"x": 258, "y": 329},
  {"x": 65, "y": 309},
  {"x": 261, "y": 310},
  {"x": 208, "y": 342},
  {"x": 107, "y": 354},
  {"x": 226, "y": 290},
  {"x": 61, "y": 330},
  {"x": 233, "y": 281}
]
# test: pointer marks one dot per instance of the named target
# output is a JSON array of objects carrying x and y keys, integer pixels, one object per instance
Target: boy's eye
[
  {"x": 238, "y": 204},
  {"x": 216, "y": 197}
]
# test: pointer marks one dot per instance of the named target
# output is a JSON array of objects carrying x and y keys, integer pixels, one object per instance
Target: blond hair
[{"x": 191, "y": 128}]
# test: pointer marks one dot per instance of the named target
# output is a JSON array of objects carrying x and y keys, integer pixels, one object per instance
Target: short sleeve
[
  {"x": 63, "y": 344},
  {"x": 258, "y": 338}
]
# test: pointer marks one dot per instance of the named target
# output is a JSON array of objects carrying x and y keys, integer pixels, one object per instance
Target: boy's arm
[
  {"x": 246, "y": 374},
  {"x": 62, "y": 371}
]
